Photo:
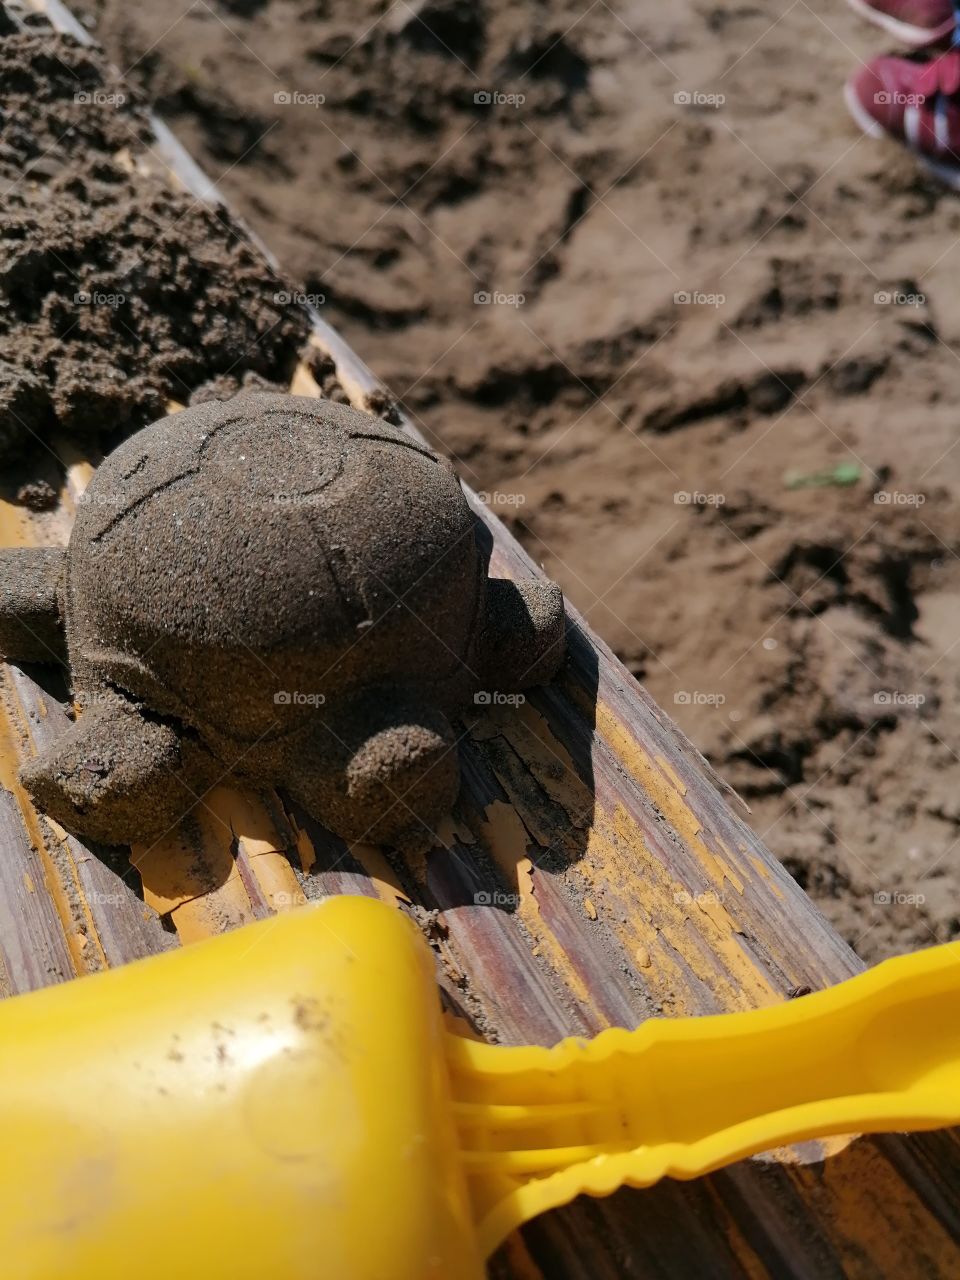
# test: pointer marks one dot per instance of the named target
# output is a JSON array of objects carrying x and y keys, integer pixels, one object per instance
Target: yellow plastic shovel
[{"x": 284, "y": 1101}]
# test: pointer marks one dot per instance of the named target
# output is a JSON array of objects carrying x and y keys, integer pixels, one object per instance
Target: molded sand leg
[
  {"x": 381, "y": 770},
  {"x": 30, "y": 624},
  {"x": 522, "y": 641},
  {"x": 116, "y": 776}
]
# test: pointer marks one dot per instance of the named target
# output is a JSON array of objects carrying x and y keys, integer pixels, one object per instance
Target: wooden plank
[
  {"x": 110, "y": 918},
  {"x": 595, "y": 872},
  {"x": 32, "y": 942}
]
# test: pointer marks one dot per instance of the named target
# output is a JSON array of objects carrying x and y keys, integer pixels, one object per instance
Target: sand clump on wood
[{"x": 117, "y": 294}]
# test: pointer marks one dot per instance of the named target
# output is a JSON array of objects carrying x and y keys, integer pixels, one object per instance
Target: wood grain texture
[{"x": 595, "y": 873}]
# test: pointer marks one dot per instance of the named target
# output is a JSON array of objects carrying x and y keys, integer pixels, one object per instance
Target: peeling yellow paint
[
  {"x": 451, "y": 831},
  {"x": 305, "y": 850},
  {"x": 504, "y": 834},
  {"x": 525, "y": 883},
  {"x": 276, "y": 879},
  {"x": 733, "y": 859},
  {"x": 764, "y": 873},
  {"x": 19, "y": 528},
  {"x": 382, "y": 876},
  {"x": 647, "y": 910},
  {"x": 79, "y": 471},
  {"x": 667, "y": 768},
  {"x": 203, "y": 917},
  {"x": 13, "y": 526},
  {"x": 879, "y": 1221},
  {"x": 345, "y": 374},
  {"x": 255, "y": 832},
  {"x": 749, "y": 1263},
  {"x": 729, "y": 874},
  {"x": 546, "y": 758},
  {"x": 507, "y": 839},
  {"x": 304, "y": 383},
  {"x": 15, "y": 744},
  {"x": 671, "y": 802},
  {"x": 195, "y": 859}
]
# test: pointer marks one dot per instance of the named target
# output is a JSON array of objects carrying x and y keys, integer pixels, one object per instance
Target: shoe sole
[
  {"x": 905, "y": 32},
  {"x": 948, "y": 174},
  {"x": 873, "y": 128}
]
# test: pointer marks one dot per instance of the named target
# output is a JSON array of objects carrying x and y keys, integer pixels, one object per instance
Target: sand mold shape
[{"x": 281, "y": 589}]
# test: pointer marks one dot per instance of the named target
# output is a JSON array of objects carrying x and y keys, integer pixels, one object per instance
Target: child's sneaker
[
  {"x": 912, "y": 22},
  {"x": 918, "y": 104}
]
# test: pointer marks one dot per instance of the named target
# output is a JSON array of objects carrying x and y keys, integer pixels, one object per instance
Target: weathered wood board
[{"x": 595, "y": 873}]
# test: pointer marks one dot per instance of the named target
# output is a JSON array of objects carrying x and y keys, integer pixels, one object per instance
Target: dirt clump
[{"x": 117, "y": 294}]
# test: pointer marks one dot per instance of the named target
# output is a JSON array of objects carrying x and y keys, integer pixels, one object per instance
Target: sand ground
[{"x": 634, "y": 268}]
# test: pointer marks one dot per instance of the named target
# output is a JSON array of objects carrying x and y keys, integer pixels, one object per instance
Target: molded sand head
[{"x": 270, "y": 544}]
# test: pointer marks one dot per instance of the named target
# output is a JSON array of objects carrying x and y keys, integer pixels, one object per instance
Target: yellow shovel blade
[
  {"x": 272, "y": 1102},
  {"x": 283, "y": 1101}
]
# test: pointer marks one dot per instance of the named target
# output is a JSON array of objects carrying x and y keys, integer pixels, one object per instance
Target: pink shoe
[
  {"x": 912, "y": 22},
  {"x": 916, "y": 103}
]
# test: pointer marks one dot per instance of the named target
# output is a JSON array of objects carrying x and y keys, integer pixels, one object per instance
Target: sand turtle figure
[{"x": 278, "y": 590}]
